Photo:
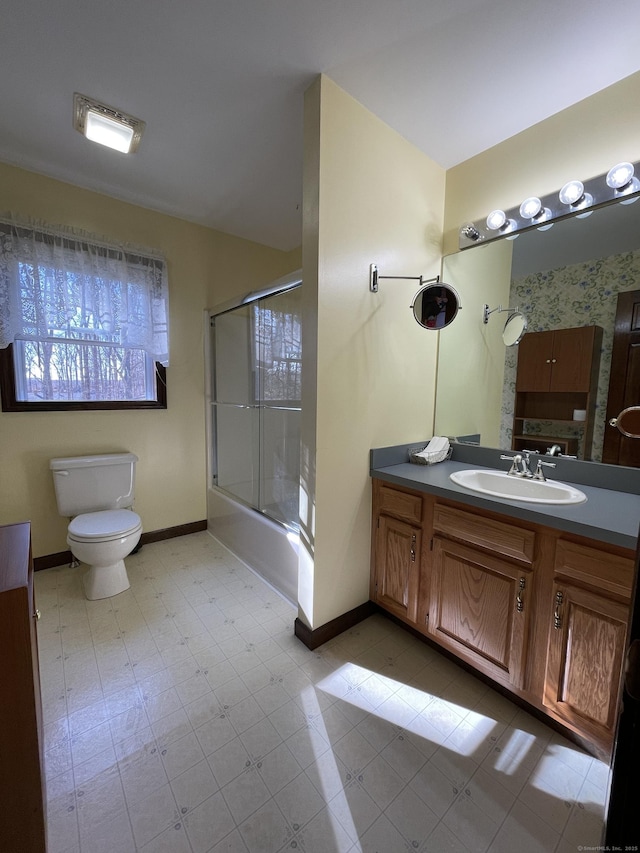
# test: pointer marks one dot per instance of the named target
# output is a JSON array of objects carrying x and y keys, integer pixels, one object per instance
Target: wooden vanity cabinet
[
  {"x": 478, "y": 609},
  {"x": 481, "y": 591},
  {"x": 587, "y": 635},
  {"x": 22, "y": 827},
  {"x": 397, "y": 546},
  {"x": 542, "y": 613}
]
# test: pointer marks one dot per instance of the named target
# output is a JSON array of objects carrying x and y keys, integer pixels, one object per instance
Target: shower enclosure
[{"x": 255, "y": 358}]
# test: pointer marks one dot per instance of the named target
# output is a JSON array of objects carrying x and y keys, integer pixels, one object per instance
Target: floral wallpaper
[{"x": 584, "y": 294}]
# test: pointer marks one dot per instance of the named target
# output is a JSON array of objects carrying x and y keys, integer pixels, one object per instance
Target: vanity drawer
[
  {"x": 402, "y": 505},
  {"x": 595, "y": 567},
  {"x": 502, "y": 538}
]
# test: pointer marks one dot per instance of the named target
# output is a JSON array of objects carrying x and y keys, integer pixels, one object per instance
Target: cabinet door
[
  {"x": 584, "y": 663},
  {"x": 398, "y": 550},
  {"x": 534, "y": 362},
  {"x": 571, "y": 359},
  {"x": 479, "y": 609}
]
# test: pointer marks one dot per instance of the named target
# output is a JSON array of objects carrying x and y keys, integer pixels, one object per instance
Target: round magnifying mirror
[
  {"x": 435, "y": 306},
  {"x": 628, "y": 422},
  {"x": 514, "y": 329}
]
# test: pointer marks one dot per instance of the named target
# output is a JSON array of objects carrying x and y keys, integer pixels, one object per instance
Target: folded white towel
[
  {"x": 437, "y": 443},
  {"x": 436, "y": 450}
]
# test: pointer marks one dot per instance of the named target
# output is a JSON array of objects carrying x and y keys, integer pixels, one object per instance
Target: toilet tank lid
[{"x": 91, "y": 461}]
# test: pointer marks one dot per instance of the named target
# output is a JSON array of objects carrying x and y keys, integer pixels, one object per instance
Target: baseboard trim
[
  {"x": 49, "y": 561},
  {"x": 314, "y": 638},
  {"x": 172, "y": 532}
]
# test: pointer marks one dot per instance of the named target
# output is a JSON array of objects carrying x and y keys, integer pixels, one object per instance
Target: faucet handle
[{"x": 539, "y": 475}]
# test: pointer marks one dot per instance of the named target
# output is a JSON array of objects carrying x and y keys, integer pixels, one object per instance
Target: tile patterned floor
[{"x": 183, "y": 716}]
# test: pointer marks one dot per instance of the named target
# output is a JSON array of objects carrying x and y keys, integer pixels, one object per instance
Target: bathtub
[{"x": 266, "y": 546}]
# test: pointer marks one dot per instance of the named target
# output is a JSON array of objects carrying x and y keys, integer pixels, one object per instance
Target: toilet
[{"x": 96, "y": 493}]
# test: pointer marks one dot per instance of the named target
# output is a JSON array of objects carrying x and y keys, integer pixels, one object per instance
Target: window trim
[{"x": 10, "y": 403}]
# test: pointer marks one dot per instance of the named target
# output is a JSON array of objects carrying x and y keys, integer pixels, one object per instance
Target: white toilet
[{"x": 95, "y": 492}]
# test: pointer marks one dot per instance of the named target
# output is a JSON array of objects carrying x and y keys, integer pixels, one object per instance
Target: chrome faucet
[
  {"x": 554, "y": 450},
  {"x": 519, "y": 464}
]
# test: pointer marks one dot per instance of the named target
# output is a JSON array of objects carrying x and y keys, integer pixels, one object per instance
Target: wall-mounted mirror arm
[
  {"x": 375, "y": 277},
  {"x": 486, "y": 313},
  {"x": 515, "y": 325}
]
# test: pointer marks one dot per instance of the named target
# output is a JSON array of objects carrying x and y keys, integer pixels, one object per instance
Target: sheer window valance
[{"x": 58, "y": 284}]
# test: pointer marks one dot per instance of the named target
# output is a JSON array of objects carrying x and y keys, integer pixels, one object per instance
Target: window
[{"x": 83, "y": 324}]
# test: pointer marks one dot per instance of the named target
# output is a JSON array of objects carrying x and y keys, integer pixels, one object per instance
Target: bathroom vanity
[
  {"x": 533, "y": 596},
  {"x": 21, "y": 739}
]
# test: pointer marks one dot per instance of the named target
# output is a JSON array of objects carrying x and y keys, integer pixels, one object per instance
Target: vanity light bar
[{"x": 620, "y": 184}]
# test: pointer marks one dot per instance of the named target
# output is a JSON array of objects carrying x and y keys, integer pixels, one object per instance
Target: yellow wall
[
  {"x": 369, "y": 369},
  {"x": 205, "y": 268}
]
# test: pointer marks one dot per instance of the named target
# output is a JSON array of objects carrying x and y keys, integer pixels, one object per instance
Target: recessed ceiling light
[{"x": 106, "y": 125}]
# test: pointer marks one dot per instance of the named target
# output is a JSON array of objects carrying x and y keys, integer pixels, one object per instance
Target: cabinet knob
[
  {"x": 37, "y": 614},
  {"x": 548, "y": 361}
]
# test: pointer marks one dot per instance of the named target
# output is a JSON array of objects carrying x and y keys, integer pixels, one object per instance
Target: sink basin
[{"x": 499, "y": 484}]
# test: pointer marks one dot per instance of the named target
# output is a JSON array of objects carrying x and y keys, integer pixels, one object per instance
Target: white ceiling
[{"x": 220, "y": 84}]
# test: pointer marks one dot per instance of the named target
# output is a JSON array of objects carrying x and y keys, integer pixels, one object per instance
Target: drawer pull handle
[
  {"x": 519, "y": 599},
  {"x": 413, "y": 548},
  {"x": 557, "y": 617}
]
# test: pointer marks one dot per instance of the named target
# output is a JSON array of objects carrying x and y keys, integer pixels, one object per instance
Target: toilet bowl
[
  {"x": 96, "y": 493},
  {"x": 102, "y": 540}
]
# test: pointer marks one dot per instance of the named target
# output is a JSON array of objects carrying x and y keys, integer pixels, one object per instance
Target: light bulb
[
  {"x": 107, "y": 131},
  {"x": 530, "y": 208},
  {"x": 496, "y": 220},
  {"x": 620, "y": 175},
  {"x": 571, "y": 192}
]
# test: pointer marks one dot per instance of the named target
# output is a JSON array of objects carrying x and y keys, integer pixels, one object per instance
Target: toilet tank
[{"x": 93, "y": 483}]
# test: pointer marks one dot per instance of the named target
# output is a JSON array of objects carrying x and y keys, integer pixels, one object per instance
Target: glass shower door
[
  {"x": 256, "y": 374},
  {"x": 278, "y": 325},
  {"x": 236, "y": 415}
]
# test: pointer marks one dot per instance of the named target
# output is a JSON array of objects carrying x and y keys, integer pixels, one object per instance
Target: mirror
[
  {"x": 567, "y": 276},
  {"x": 514, "y": 329},
  {"x": 435, "y": 306},
  {"x": 628, "y": 422}
]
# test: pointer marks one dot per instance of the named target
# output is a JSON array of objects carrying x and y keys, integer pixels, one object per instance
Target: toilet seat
[{"x": 104, "y": 526}]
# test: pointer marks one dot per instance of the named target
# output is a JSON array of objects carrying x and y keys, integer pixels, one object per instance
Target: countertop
[{"x": 608, "y": 515}]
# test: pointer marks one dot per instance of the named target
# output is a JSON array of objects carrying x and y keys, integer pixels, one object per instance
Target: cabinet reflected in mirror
[{"x": 569, "y": 276}]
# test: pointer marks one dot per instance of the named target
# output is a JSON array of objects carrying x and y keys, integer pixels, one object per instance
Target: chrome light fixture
[
  {"x": 575, "y": 198},
  {"x": 107, "y": 125}
]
